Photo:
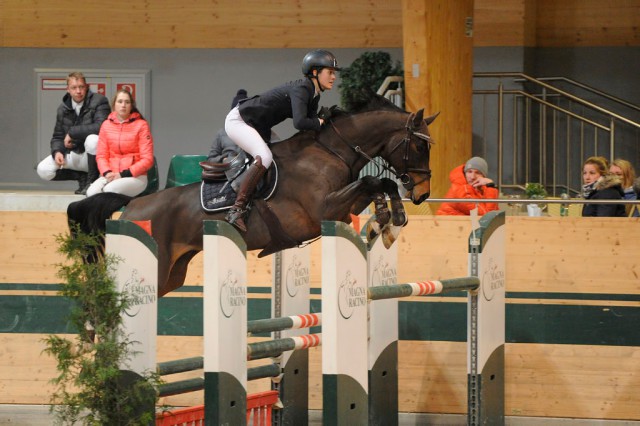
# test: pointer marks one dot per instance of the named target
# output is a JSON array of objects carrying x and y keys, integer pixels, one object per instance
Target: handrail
[
  {"x": 561, "y": 92},
  {"x": 541, "y": 101},
  {"x": 592, "y": 90}
]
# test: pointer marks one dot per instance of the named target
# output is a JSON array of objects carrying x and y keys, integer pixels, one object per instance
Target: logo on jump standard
[
  {"x": 297, "y": 276},
  {"x": 138, "y": 292},
  {"x": 232, "y": 295},
  {"x": 492, "y": 279},
  {"x": 383, "y": 273},
  {"x": 351, "y": 296}
]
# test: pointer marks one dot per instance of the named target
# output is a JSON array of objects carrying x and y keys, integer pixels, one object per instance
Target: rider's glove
[{"x": 324, "y": 113}]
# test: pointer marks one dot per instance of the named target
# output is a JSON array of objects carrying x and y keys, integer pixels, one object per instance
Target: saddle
[
  {"x": 220, "y": 181},
  {"x": 223, "y": 171}
]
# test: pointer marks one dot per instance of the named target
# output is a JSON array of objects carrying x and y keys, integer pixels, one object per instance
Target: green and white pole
[
  {"x": 225, "y": 325},
  {"x": 136, "y": 274},
  {"x": 486, "y": 322},
  {"x": 383, "y": 335},
  {"x": 344, "y": 326}
]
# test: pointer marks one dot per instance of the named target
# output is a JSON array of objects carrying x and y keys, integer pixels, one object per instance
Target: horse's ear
[
  {"x": 430, "y": 119},
  {"x": 417, "y": 119}
]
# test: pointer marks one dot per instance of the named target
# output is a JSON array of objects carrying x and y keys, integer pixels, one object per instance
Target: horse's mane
[{"x": 374, "y": 102}]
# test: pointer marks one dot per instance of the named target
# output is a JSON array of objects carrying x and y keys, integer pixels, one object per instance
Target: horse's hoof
[
  {"x": 390, "y": 234},
  {"x": 373, "y": 230},
  {"x": 400, "y": 217}
]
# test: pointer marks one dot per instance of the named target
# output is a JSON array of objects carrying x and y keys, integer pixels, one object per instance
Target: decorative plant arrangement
[
  {"x": 535, "y": 191},
  {"x": 91, "y": 388},
  {"x": 364, "y": 76}
]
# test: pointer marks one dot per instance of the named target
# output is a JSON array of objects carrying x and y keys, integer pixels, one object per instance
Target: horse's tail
[{"x": 89, "y": 215}]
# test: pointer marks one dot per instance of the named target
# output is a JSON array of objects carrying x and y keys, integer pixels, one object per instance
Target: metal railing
[{"x": 537, "y": 132}]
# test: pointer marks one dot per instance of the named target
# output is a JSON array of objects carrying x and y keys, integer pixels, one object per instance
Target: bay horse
[{"x": 317, "y": 180}]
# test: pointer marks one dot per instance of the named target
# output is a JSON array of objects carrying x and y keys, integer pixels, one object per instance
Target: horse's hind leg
[{"x": 175, "y": 274}]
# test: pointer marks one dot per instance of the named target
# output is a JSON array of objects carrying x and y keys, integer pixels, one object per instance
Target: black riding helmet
[{"x": 318, "y": 59}]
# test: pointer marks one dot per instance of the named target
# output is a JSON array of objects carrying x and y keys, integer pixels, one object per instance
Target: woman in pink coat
[{"x": 125, "y": 149}]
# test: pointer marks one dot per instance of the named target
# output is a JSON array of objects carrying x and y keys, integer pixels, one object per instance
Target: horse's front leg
[
  {"x": 354, "y": 198},
  {"x": 399, "y": 215}
]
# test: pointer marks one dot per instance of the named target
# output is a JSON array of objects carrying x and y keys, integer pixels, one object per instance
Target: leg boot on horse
[{"x": 239, "y": 209}]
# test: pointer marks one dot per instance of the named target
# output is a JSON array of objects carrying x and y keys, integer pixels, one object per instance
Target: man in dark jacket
[{"x": 75, "y": 137}]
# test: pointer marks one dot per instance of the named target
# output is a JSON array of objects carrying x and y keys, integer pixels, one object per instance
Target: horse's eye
[{"x": 421, "y": 148}]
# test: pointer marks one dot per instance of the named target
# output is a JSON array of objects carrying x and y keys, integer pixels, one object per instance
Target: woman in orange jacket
[
  {"x": 125, "y": 149},
  {"x": 470, "y": 181}
]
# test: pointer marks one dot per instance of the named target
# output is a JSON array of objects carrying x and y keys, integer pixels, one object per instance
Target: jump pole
[{"x": 136, "y": 274}]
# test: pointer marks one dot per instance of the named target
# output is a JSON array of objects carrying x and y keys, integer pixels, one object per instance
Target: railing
[{"x": 536, "y": 132}]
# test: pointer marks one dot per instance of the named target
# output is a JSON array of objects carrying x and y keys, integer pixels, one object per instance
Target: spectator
[
  {"x": 75, "y": 136},
  {"x": 624, "y": 170},
  {"x": 470, "y": 181},
  {"x": 249, "y": 124},
  {"x": 599, "y": 184},
  {"x": 125, "y": 149}
]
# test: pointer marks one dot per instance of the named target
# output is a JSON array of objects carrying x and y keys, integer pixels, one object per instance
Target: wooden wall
[
  {"x": 298, "y": 23},
  {"x": 582, "y": 261}
]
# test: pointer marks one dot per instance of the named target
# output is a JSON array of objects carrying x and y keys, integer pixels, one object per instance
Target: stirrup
[{"x": 235, "y": 217}]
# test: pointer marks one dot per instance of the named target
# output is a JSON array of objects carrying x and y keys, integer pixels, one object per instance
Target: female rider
[{"x": 249, "y": 124}]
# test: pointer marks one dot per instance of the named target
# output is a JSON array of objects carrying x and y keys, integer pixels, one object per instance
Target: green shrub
[
  {"x": 90, "y": 387},
  {"x": 364, "y": 76}
]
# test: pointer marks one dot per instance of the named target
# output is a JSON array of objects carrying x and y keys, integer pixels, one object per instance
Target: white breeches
[
  {"x": 130, "y": 186},
  {"x": 246, "y": 137},
  {"x": 47, "y": 168}
]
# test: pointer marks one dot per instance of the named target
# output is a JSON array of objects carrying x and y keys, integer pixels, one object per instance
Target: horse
[{"x": 317, "y": 180}]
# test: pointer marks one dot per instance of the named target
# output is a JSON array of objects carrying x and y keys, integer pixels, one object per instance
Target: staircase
[{"x": 542, "y": 129}]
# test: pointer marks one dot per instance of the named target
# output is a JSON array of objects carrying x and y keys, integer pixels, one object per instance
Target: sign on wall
[{"x": 51, "y": 85}]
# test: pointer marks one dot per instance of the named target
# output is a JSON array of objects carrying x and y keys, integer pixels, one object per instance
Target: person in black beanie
[{"x": 242, "y": 94}]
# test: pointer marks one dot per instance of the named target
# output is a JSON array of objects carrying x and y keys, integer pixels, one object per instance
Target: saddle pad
[
  {"x": 220, "y": 196},
  {"x": 216, "y": 196}
]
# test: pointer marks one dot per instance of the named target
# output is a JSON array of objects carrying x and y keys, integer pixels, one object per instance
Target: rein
[{"x": 403, "y": 177}]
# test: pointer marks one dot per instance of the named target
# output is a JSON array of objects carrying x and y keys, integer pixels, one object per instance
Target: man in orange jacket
[{"x": 470, "y": 181}]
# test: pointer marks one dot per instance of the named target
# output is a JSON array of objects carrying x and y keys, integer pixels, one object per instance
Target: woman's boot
[{"x": 239, "y": 209}]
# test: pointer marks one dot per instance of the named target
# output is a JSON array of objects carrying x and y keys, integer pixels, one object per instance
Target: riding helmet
[{"x": 319, "y": 59}]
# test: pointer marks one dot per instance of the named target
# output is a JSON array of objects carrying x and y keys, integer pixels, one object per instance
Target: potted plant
[{"x": 535, "y": 191}]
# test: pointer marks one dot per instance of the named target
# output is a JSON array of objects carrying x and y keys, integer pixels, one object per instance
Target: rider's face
[{"x": 326, "y": 77}]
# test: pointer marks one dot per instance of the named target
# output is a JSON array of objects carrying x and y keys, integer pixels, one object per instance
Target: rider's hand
[{"x": 324, "y": 113}]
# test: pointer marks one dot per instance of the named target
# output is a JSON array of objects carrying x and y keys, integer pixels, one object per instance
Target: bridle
[{"x": 403, "y": 175}]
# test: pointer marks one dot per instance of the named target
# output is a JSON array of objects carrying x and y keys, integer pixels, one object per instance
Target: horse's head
[{"x": 410, "y": 156}]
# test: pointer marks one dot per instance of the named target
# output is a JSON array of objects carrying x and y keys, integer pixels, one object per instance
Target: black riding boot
[
  {"x": 239, "y": 209},
  {"x": 94, "y": 173},
  {"x": 81, "y": 177},
  {"x": 83, "y": 183}
]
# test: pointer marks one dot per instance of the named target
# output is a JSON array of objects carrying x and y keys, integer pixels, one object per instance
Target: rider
[{"x": 249, "y": 124}]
